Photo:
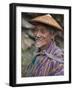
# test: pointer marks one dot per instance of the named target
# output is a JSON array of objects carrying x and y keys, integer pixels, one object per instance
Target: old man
[{"x": 49, "y": 58}]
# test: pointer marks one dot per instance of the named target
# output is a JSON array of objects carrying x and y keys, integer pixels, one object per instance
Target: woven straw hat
[{"x": 47, "y": 20}]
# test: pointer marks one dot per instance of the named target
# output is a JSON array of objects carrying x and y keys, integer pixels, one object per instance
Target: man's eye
[{"x": 43, "y": 31}]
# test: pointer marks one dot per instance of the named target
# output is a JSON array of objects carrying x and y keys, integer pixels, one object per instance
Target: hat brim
[{"x": 45, "y": 24}]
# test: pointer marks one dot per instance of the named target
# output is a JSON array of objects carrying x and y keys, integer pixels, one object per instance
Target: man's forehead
[{"x": 39, "y": 25}]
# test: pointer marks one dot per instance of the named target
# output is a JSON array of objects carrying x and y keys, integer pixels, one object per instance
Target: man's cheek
[{"x": 46, "y": 35}]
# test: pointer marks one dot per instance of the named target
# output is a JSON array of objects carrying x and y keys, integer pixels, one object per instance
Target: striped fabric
[{"x": 49, "y": 62}]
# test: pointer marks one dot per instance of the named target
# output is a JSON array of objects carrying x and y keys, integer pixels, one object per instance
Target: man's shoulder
[
  {"x": 58, "y": 49},
  {"x": 59, "y": 52}
]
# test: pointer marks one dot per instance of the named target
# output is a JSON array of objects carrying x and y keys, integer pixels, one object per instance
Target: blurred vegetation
[{"x": 27, "y": 40}]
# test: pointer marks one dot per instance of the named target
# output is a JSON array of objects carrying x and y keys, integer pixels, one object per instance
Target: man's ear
[{"x": 53, "y": 34}]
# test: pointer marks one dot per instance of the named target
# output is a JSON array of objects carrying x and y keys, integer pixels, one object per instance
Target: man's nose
[{"x": 38, "y": 34}]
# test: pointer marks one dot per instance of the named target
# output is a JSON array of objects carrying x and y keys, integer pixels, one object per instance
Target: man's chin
[{"x": 38, "y": 45}]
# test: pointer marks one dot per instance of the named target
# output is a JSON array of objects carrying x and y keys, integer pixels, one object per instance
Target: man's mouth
[
  {"x": 39, "y": 41},
  {"x": 39, "y": 38}
]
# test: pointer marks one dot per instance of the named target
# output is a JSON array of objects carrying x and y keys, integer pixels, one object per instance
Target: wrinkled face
[{"x": 42, "y": 36}]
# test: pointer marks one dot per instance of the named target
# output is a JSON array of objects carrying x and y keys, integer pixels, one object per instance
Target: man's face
[{"x": 42, "y": 36}]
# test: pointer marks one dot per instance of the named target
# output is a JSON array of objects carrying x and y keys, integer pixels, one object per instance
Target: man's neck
[{"x": 44, "y": 47}]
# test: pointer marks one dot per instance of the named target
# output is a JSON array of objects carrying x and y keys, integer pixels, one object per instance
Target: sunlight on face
[{"x": 42, "y": 36}]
